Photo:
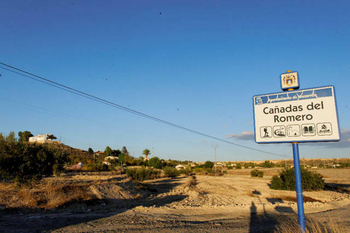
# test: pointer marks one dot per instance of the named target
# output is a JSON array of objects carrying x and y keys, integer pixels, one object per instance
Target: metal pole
[
  {"x": 215, "y": 159},
  {"x": 299, "y": 189}
]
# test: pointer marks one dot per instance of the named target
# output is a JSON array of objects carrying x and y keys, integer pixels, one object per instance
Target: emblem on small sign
[{"x": 289, "y": 81}]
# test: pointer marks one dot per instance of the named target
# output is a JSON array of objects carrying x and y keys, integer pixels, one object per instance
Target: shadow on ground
[
  {"x": 342, "y": 188},
  {"x": 261, "y": 222}
]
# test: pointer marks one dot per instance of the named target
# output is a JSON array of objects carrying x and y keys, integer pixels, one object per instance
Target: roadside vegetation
[
  {"x": 257, "y": 173},
  {"x": 24, "y": 162},
  {"x": 289, "y": 223},
  {"x": 23, "y": 167},
  {"x": 311, "y": 181}
]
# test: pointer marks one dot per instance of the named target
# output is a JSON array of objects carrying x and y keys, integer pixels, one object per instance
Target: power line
[{"x": 115, "y": 105}]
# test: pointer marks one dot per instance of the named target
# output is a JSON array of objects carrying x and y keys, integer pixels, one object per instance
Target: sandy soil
[{"x": 230, "y": 203}]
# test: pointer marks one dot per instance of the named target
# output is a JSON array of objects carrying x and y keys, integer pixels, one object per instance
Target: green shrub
[
  {"x": 57, "y": 169},
  {"x": 131, "y": 172},
  {"x": 197, "y": 169},
  {"x": 256, "y": 173},
  {"x": 155, "y": 162},
  {"x": 277, "y": 183},
  {"x": 286, "y": 180},
  {"x": 171, "y": 172},
  {"x": 247, "y": 165},
  {"x": 208, "y": 164},
  {"x": 141, "y": 174},
  {"x": 185, "y": 171},
  {"x": 267, "y": 163},
  {"x": 24, "y": 162},
  {"x": 138, "y": 175},
  {"x": 96, "y": 167},
  {"x": 343, "y": 165},
  {"x": 155, "y": 174}
]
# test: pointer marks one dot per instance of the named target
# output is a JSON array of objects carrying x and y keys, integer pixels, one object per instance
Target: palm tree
[{"x": 146, "y": 152}]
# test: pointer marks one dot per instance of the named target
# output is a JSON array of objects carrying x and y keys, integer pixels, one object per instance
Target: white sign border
[{"x": 298, "y": 141}]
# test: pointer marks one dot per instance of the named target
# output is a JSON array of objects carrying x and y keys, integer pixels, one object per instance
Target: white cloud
[
  {"x": 245, "y": 135},
  {"x": 343, "y": 143}
]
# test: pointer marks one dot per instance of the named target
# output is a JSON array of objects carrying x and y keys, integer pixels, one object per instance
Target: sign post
[
  {"x": 308, "y": 115},
  {"x": 299, "y": 189}
]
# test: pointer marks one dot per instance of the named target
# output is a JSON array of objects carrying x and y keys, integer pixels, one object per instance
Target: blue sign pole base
[{"x": 299, "y": 189}]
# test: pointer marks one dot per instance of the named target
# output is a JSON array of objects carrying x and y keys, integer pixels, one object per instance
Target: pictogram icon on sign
[
  {"x": 324, "y": 129},
  {"x": 293, "y": 130},
  {"x": 308, "y": 129},
  {"x": 279, "y": 131},
  {"x": 266, "y": 132}
]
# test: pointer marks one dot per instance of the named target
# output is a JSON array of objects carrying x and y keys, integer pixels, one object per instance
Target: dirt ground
[{"x": 235, "y": 202}]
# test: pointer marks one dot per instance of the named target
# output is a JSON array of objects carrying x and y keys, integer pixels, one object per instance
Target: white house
[
  {"x": 43, "y": 138},
  {"x": 180, "y": 167},
  {"x": 109, "y": 159}
]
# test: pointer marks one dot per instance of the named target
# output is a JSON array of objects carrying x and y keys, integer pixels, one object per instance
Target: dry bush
[
  {"x": 5, "y": 189},
  {"x": 253, "y": 193},
  {"x": 58, "y": 195},
  {"x": 250, "y": 193},
  {"x": 191, "y": 181},
  {"x": 289, "y": 224},
  {"x": 28, "y": 197},
  {"x": 47, "y": 196}
]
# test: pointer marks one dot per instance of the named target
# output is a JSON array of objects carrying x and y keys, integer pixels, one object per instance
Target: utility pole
[{"x": 215, "y": 159}]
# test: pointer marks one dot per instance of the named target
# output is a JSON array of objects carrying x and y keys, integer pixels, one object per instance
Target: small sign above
[
  {"x": 296, "y": 116},
  {"x": 289, "y": 81}
]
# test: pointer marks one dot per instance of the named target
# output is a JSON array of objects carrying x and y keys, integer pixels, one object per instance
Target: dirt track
[{"x": 232, "y": 203}]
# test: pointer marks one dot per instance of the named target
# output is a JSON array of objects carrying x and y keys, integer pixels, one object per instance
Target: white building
[{"x": 43, "y": 138}]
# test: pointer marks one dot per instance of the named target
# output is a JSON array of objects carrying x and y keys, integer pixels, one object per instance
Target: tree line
[{"x": 22, "y": 161}]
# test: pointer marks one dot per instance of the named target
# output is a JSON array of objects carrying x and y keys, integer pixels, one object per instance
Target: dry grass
[
  {"x": 47, "y": 196},
  {"x": 341, "y": 175},
  {"x": 58, "y": 195},
  {"x": 289, "y": 224},
  {"x": 190, "y": 182}
]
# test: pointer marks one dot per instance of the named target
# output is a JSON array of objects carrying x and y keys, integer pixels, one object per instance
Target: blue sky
[{"x": 196, "y": 64}]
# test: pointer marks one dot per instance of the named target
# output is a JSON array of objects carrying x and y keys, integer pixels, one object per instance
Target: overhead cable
[{"x": 115, "y": 105}]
